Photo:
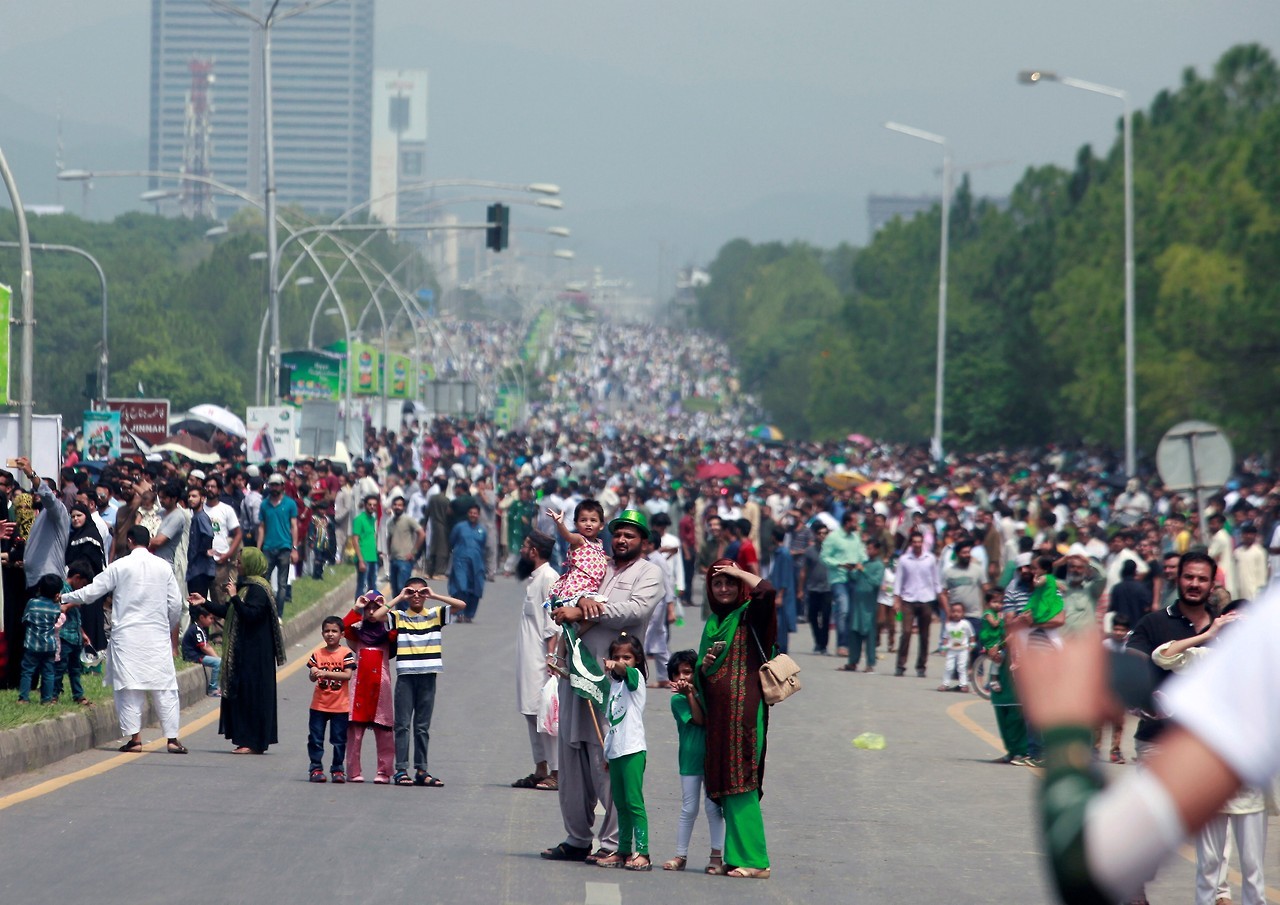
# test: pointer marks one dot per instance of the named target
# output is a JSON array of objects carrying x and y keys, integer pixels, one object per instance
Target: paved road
[{"x": 928, "y": 819}]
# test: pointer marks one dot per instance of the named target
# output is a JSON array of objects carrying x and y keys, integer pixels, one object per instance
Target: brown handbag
[{"x": 779, "y": 677}]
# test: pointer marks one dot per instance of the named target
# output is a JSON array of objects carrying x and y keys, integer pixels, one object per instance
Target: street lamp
[
  {"x": 264, "y": 25},
  {"x": 940, "y": 377},
  {"x": 1034, "y": 77}
]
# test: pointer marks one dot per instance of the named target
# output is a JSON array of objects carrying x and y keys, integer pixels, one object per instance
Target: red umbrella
[{"x": 712, "y": 470}]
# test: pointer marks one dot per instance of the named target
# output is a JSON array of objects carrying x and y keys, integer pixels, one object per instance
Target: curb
[{"x": 37, "y": 745}]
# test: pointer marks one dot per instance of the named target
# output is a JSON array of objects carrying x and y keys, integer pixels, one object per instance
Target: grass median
[{"x": 306, "y": 593}]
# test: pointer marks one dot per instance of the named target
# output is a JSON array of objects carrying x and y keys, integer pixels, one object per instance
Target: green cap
[{"x": 636, "y": 518}]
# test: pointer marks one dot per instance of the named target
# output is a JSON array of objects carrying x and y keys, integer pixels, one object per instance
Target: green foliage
[
  {"x": 185, "y": 312},
  {"x": 843, "y": 340}
]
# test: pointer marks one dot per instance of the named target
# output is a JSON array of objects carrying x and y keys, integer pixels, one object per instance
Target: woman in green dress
[{"x": 742, "y": 627}]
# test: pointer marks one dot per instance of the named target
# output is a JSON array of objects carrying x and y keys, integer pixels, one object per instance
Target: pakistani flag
[{"x": 586, "y": 676}]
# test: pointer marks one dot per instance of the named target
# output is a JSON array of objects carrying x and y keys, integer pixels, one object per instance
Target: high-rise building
[
  {"x": 399, "y": 140},
  {"x": 322, "y": 74}
]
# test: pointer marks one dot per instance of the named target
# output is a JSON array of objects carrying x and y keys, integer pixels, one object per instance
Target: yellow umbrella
[
  {"x": 843, "y": 480},
  {"x": 880, "y": 487}
]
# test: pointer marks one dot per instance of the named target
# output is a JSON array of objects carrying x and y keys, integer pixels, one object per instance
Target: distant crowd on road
[{"x": 862, "y": 546}]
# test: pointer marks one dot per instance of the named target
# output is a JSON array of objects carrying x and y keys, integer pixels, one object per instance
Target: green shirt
[
  {"x": 519, "y": 521},
  {"x": 1045, "y": 602},
  {"x": 365, "y": 529},
  {"x": 693, "y": 738},
  {"x": 840, "y": 549},
  {"x": 989, "y": 635}
]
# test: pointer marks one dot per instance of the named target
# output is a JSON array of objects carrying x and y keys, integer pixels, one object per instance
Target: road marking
[
  {"x": 603, "y": 894},
  {"x": 957, "y": 712},
  {"x": 61, "y": 782}
]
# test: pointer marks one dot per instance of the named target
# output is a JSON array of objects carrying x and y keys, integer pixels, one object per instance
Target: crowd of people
[{"x": 615, "y": 502}]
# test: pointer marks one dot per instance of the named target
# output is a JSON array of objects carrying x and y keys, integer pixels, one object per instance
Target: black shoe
[
  {"x": 899, "y": 671},
  {"x": 920, "y": 673},
  {"x": 566, "y": 852}
]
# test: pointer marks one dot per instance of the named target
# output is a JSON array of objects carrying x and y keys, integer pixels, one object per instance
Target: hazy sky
[{"x": 674, "y": 126}]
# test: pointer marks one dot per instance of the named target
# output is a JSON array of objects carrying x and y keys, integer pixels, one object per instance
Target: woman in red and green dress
[{"x": 744, "y": 618}]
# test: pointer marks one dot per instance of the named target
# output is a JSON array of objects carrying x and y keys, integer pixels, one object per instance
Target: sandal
[
  {"x": 401, "y": 778},
  {"x": 716, "y": 867},
  {"x": 426, "y": 779},
  {"x": 599, "y": 853},
  {"x": 750, "y": 873},
  {"x": 846, "y": 668},
  {"x": 613, "y": 860},
  {"x": 676, "y": 863},
  {"x": 529, "y": 782},
  {"x": 639, "y": 862},
  {"x": 549, "y": 784},
  {"x": 176, "y": 747},
  {"x": 133, "y": 746}
]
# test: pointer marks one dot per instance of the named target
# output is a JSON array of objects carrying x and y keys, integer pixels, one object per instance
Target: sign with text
[
  {"x": 146, "y": 419},
  {"x": 271, "y": 432}
]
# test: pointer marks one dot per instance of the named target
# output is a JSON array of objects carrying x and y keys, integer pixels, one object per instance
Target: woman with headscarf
[
  {"x": 742, "y": 627},
  {"x": 84, "y": 546},
  {"x": 466, "y": 573},
  {"x": 252, "y": 649}
]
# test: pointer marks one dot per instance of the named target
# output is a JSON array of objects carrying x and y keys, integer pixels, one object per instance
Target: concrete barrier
[{"x": 37, "y": 745}]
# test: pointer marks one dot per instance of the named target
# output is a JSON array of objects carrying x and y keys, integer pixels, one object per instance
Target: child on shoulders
[{"x": 587, "y": 560}]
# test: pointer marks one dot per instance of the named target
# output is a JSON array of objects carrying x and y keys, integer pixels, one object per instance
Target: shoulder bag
[{"x": 779, "y": 677}]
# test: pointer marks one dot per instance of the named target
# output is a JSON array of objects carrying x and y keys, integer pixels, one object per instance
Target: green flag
[{"x": 586, "y": 676}]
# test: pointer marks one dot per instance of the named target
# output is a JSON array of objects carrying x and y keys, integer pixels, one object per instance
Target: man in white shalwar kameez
[
  {"x": 145, "y": 611},
  {"x": 536, "y": 640}
]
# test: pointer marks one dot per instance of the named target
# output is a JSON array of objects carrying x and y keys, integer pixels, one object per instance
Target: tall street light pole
[
  {"x": 940, "y": 377},
  {"x": 264, "y": 25},
  {"x": 27, "y": 288},
  {"x": 1034, "y": 77}
]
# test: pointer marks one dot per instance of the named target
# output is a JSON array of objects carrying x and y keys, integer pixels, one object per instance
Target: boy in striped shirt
[{"x": 418, "y": 662}]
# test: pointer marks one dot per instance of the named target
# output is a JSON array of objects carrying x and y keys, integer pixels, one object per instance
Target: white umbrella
[{"x": 220, "y": 418}]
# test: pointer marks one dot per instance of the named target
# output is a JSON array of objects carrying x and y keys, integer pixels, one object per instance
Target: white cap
[
  {"x": 1023, "y": 560},
  {"x": 197, "y": 474},
  {"x": 252, "y": 471}
]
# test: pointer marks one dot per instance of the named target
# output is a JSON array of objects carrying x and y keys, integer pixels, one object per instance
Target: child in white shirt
[
  {"x": 624, "y": 748},
  {"x": 957, "y": 634}
]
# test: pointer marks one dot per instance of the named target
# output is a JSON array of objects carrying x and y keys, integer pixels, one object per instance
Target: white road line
[{"x": 603, "y": 894}]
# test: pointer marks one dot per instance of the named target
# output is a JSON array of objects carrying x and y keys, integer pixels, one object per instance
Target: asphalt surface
[{"x": 927, "y": 819}]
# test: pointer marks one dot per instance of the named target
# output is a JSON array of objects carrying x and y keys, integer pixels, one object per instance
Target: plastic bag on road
[
  {"x": 549, "y": 708},
  {"x": 869, "y": 741}
]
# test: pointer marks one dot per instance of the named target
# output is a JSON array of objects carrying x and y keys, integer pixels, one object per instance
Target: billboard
[
  {"x": 317, "y": 376},
  {"x": 101, "y": 436},
  {"x": 366, "y": 361},
  {"x": 46, "y": 441},
  {"x": 271, "y": 432},
  {"x": 398, "y": 374},
  {"x": 146, "y": 419}
]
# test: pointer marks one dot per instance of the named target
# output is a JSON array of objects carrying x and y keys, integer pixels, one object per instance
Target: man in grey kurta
[
  {"x": 46, "y": 550},
  {"x": 631, "y": 590}
]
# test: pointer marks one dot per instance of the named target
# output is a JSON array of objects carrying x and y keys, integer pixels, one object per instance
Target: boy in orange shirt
[{"x": 330, "y": 667}]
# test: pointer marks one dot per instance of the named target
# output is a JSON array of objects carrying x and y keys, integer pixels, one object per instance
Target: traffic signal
[
  {"x": 499, "y": 227},
  {"x": 284, "y": 381}
]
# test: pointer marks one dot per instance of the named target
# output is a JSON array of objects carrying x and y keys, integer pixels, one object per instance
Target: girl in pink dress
[{"x": 587, "y": 560}]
